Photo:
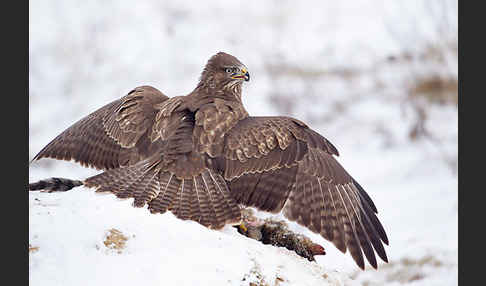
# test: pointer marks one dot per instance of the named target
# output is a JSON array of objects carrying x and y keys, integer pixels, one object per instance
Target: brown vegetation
[{"x": 115, "y": 240}]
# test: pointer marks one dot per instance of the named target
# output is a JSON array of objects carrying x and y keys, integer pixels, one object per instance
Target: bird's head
[{"x": 225, "y": 71}]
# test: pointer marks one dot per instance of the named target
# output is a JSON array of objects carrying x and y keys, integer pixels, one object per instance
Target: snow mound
[{"x": 84, "y": 238}]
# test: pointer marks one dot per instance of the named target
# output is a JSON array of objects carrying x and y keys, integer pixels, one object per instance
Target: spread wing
[
  {"x": 115, "y": 135},
  {"x": 278, "y": 163}
]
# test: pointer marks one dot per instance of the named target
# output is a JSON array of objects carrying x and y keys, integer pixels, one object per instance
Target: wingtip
[
  {"x": 385, "y": 259},
  {"x": 385, "y": 238},
  {"x": 365, "y": 196},
  {"x": 32, "y": 160}
]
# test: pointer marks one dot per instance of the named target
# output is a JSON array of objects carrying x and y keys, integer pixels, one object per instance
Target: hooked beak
[
  {"x": 243, "y": 74},
  {"x": 247, "y": 76}
]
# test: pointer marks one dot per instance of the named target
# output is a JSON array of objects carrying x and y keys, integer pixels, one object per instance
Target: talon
[{"x": 241, "y": 228}]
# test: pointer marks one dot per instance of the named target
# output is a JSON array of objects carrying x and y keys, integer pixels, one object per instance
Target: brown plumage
[
  {"x": 115, "y": 135},
  {"x": 200, "y": 156}
]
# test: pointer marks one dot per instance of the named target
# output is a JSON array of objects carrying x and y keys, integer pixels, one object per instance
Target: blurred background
[{"x": 379, "y": 79}]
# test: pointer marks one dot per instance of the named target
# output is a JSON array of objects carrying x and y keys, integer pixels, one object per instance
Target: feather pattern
[
  {"x": 111, "y": 136},
  {"x": 320, "y": 194}
]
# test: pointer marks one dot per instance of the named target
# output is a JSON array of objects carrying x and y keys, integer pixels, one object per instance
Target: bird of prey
[{"x": 201, "y": 156}]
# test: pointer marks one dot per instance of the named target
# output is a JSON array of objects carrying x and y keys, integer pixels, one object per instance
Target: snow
[
  {"x": 69, "y": 229},
  {"x": 86, "y": 54}
]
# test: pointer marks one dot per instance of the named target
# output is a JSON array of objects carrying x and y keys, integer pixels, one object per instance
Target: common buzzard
[{"x": 201, "y": 156}]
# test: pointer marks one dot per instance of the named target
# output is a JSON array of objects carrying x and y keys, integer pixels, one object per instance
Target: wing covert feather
[{"x": 111, "y": 136}]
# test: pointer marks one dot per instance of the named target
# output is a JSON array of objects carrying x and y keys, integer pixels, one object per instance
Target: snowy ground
[{"x": 83, "y": 56}]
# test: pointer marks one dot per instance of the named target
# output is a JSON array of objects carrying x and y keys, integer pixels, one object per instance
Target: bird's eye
[{"x": 228, "y": 70}]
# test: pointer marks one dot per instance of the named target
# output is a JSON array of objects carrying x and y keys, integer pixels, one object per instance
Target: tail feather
[
  {"x": 210, "y": 213},
  {"x": 187, "y": 195},
  {"x": 132, "y": 183},
  {"x": 195, "y": 198},
  {"x": 113, "y": 180},
  {"x": 204, "y": 198},
  {"x": 204, "y": 202},
  {"x": 215, "y": 201},
  {"x": 147, "y": 189},
  {"x": 180, "y": 205},
  {"x": 144, "y": 188},
  {"x": 230, "y": 207},
  {"x": 168, "y": 190}
]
